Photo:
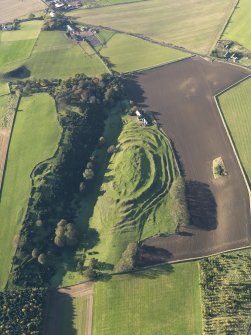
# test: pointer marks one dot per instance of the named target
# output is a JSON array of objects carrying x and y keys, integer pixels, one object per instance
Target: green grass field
[
  {"x": 235, "y": 105},
  {"x": 193, "y": 24},
  {"x": 128, "y": 53},
  {"x": 154, "y": 301},
  {"x": 35, "y": 137},
  {"x": 17, "y": 45},
  {"x": 239, "y": 27},
  {"x": 4, "y": 88},
  {"x": 56, "y": 56}
]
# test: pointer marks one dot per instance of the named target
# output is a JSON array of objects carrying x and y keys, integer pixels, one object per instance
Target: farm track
[
  {"x": 64, "y": 296},
  {"x": 181, "y": 96},
  {"x": 4, "y": 142}
]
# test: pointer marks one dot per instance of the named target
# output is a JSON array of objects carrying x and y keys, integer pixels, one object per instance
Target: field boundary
[
  {"x": 216, "y": 99},
  {"x": 224, "y": 26}
]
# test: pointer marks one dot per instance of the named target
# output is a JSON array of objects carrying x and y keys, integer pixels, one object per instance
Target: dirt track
[
  {"x": 4, "y": 142},
  {"x": 60, "y": 306},
  {"x": 181, "y": 97},
  {"x": 12, "y": 9}
]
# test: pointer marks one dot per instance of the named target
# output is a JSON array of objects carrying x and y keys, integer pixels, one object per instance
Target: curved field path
[{"x": 181, "y": 95}]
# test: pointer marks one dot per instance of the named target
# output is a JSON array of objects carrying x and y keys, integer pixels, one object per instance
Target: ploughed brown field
[
  {"x": 4, "y": 142},
  {"x": 12, "y": 9},
  {"x": 181, "y": 96}
]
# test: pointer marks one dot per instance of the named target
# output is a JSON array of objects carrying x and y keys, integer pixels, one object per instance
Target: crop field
[
  {"x": 225, "y": 290},
  {"x": 13, "y": 9},
  {"x": 127, "y": 53},
  {"x": 53, "y": 50},
  {"x": 192, "y": 24},
  {"x": 17, "y": 45},
  {"x": 235, "y": 105},
  {"x": 133, "y": 199},
  {"x": 190, "y": 96},
  {"x": 35, "y": 137},
  {"x": 162, "y": 300},
  {"x": 239, "y": 28}
]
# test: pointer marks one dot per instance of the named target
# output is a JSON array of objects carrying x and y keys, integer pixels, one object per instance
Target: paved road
[{"x": 181, "y": 97}]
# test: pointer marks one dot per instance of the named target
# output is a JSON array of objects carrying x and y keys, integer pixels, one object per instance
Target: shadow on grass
[
  {"x": 153, "y": 273},
  {"x": 60, "y": 314}
]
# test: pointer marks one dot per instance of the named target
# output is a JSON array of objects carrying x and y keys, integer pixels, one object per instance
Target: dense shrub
[
  {"x": 81, "y": 105},
  {"x": 21, "y": 311}
]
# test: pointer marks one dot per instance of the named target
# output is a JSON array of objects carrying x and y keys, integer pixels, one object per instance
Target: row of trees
[{"x": 56, "y": 181}]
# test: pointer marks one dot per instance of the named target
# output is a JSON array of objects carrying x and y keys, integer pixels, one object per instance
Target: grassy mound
[
  {"x": 35, "y": 137},
  {"x": 134, "y": 194},
  {"x": 163, "y": 301},
  {"x": 193, "y": 24},
  {"x": 235, "y": 105},
  {"x": 127, "y": 53}
]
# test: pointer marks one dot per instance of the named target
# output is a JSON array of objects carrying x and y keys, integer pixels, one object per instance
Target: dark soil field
[{"x": 181, "y": 96}]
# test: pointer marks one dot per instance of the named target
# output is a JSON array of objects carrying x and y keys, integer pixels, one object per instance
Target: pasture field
[
  {"x": 4, "y": 88},
  {"x": 17, "y": 45},
  {"x": 56, "y": 56},
  {"x": 235, "y": 105},
  {"x": 35, "y": 137},
  {"x": 192, "y": 24},
  {"x": 239, "y": 28},
  {"x": 13, "y": 9},
  {"x": 127, "y": 53},
  {"x": 163, "y": 300}
]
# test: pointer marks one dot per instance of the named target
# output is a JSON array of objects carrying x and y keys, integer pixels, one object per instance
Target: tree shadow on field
[
  {"x": 60, "y": 313},
  {"x": 153, "y": 273},
  {"x": 201, "y": 205},
  {"x": 150, "y": 255},
  {"x": 134, "y": 89}
]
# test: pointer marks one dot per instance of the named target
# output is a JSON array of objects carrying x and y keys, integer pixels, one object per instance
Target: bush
[{"x": 128, "y": 258}]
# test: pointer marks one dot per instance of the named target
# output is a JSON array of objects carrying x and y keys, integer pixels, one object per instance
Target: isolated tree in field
[
  {"x": 101, "y": 141},
  {"x": 65, "y": 234},
  {"x": 35, "y": 253},
  {"x": 82, "y": 187},
  {"x": 91, "y": 272},
  {"x": 88, "y": 174},
  {"x": 89, "y": 165},
  {"x": 111, "y": 149},
  {"x": 42, "y": 259}
]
